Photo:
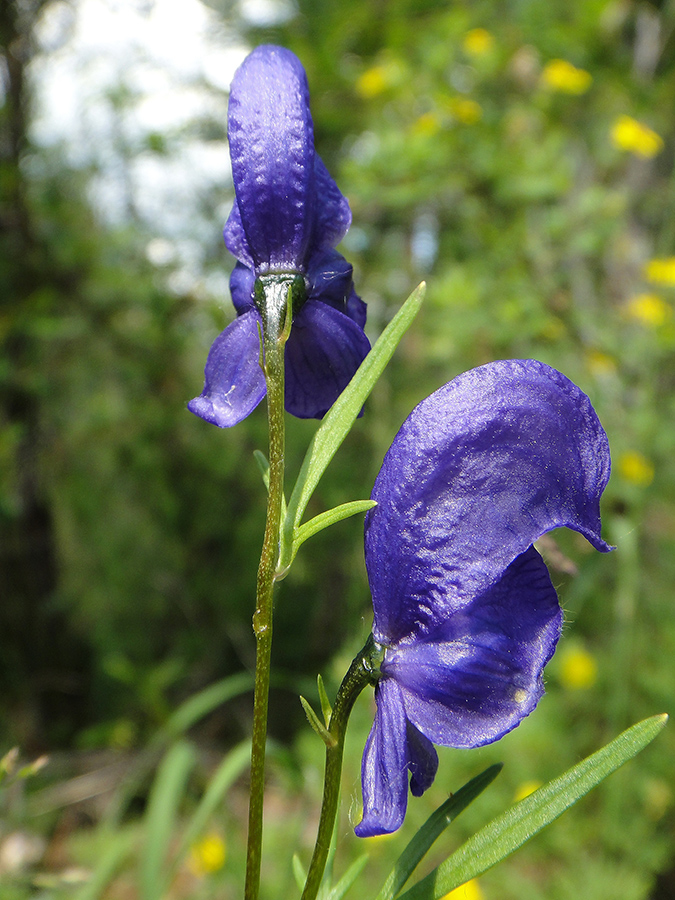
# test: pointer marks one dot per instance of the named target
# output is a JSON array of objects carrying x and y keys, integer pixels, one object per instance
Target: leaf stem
[
  {"x": 276, "y": 310},
  {"x": 364, "y": 670}
]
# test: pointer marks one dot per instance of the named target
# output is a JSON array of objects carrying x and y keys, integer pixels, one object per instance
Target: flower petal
[
  {"x": 272, "y": 148},
  {"x": 422, "y": 760},
  {"x": 384, "y": 769},
  {"x": 323, "y": 352},
  {"x": 234, "y": 383},
  {"x": 333, "y": 215},
  {"x": 242, "y": 281},
  {"x": 480, "y": 673},
  {"x": 479, "y": 471}
]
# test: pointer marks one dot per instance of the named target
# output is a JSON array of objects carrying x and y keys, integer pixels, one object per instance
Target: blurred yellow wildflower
[
  {"x": 428, "y": 124},
  {"x": 468, "y": 891},
  {"x": 561, "y": 75},
  {"x": 648, "y": 309},
  {"x": 207, "y": 855},
  {"x": 636, "y": 468},
  {"x": 478, "y": 41},
  {"x": 466, "y": 111},
  {"x": 661, "y": 271},
  {"x": 629, "y": 134},
  {"x": 578, "y": 668},
  {"x": 377, "y": 79},
  {"x": 600, "y": 364},
  {"x": 525, "y": 789}
]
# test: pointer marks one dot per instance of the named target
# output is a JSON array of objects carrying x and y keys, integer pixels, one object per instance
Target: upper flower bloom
[
  {"x": 287, "y": 218},
  {"x": 464, "y": 605}
]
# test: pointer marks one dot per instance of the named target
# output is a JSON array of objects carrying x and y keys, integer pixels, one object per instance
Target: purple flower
[
  {"x": 464, "y": 605},
  {"x": 287, "y": 218}
]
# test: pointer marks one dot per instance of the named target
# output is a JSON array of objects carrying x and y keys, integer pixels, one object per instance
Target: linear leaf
[
  {"x": 521, "y": 821},
  {"x": 342, "y": 415},
  {"x": 437, "y": 822}
]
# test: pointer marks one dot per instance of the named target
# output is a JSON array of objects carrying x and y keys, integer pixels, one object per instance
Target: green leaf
[
  {"x": 326, "y": 708},
  {"x": 341, "y": 416},
  {"x": 117, "y": 848},
  {"x": 348, "y": 879},
  {"x": 317, "y": 724},
  {"x": 437, "y": 822},
  {"x": 165, "y": 796},
  {"x": 520, "y": 822},
  {"x": 227, "y": 772},
  {"x": 324, "y": 519},
  {"x": 299, "y": 872}
]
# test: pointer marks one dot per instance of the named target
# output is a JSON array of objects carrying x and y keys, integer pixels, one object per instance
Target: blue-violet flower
[
  {"x": 287, "y": 218},
  {"x": 464, "y": 605}
]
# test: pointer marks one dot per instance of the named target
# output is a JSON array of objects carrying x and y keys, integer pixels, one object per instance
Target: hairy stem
[
  {"x": 364, "y": 670},
  {"x": 276, "y": 311}
]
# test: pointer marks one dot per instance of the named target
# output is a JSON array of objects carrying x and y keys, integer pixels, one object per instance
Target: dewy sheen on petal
[
  {"x": 272, "y": 148},
  {"x": 464, "y": 605},
  {"x": 324, "y": 350},
  {"x": 479, "y": 471},
  {"x": 234, "y": 382}
]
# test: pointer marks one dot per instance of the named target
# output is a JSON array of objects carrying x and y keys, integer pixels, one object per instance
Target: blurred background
[{"x": 516, "y": 154}]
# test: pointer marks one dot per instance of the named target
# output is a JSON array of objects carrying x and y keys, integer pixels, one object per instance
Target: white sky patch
[{"x": 129, "y": 87}]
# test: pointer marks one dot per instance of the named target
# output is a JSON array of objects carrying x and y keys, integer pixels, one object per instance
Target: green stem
[
  {"x": 275, "y": 308},
  {"x": 364, "y": 670}
]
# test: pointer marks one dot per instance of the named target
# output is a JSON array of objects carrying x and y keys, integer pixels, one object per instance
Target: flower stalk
[
  {"x": 274, "y": 293},
  {"x": 364, "y": 670}
]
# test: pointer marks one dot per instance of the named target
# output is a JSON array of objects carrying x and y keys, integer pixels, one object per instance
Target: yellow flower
[
  {"x": 629, "y": 134},
  {"x": 428, "y": 124},
  {"x": 636, "y": 468},
  {"x": 600, "y": 364},
  {"x": 661, "y": 271},
  {"x": 468, "y": 891},
  {"x": 378, "y": 79},
  {"x": 207, "y": 855},
  {"x": 561, "y": 75},
  {"x": 478, "y": 42},
  {"x": 466, "y": 111},
  {"x": 525, "y": 789},
  {"x": 648, "y": 309},
  {"x": 578, "y": 669}
]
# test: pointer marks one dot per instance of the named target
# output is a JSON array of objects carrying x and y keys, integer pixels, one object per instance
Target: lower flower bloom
[{"x": 463, "y": 602}]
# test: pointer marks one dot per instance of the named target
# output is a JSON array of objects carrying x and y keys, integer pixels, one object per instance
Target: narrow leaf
[
  {"x": 324, "y": 519},
  {"x": 227, "y": 772},
  {"x": 342, "y": 415},
  {"x": 165, "y": 797},
  {"x": 521, "y": 821},
  {"x": 326, "y": 708},
  {"x": 299, "y": 872},
  {"x": 317, "y": 724},
  {"x": 437, "y": 822},
  {"x": 117, "y": 849},
  {"x": 348, "y": 879}
]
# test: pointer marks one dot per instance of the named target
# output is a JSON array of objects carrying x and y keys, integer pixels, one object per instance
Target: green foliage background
[{"x": 129, "y": 530}]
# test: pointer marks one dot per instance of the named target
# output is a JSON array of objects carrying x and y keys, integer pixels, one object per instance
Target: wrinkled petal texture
[
  {"x": 272, "y": 149},
  {"x": 324, "y": 350},
  {"x": 480, "y": 672},
  {"x": 234, "y": 383},
  {"x": 479, "y": 471}
]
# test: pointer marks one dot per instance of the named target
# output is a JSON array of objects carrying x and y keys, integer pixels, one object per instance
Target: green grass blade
[
  {"x": 201, "y": 704},
  {"x": 437, "y": 822},
  {"x": 348, "y": 879},
  {"x": 118, "y": 848},
  {"x": 227, "y": 772},
  {"x": 520, "y": 822},
  {"x": 342, "y": 415},
  {"x": 165, "y": 796}
]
